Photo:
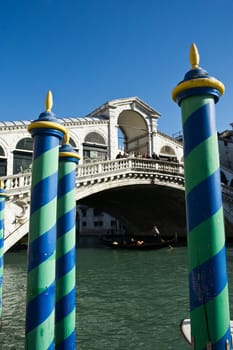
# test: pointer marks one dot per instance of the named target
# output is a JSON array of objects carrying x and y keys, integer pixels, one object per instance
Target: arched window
[
  {"x": 23, "y": 156},
  {"x": 167, "y": 153},
  {"x": 94, "y": 148},
  {"x": 95, "y": 138},
  {"x": 3, "y": 162},
  {"x": 73, "y": 144}
]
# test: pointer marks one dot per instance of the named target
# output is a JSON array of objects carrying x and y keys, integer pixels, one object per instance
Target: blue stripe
[
  {"x": 68, "y": 343},
  {"x": 51, "y": 346},
  {"x": 207, "y": 280},
  {"x": 200, "y": 123},
  {"x": 66, "y": 222},
  {"x": 65, "y": 263},
  {"x": 40, "y": 308},
  {"x": 1, "y": 261},
  {"x": 1, "y": 224},
  {"x": 44, "y": 142},
  {"x": 65, "y": 306},
  {"x": 2, "y": 203},
  {"x": 44, "y": 192},
  {"x": 66, "y": 184},
  {"x": 221, "y": 343},
  {"x": 204, "y": 200},
  {"x": 43, "y": 247},
  {"x": 1, "y": 242}
]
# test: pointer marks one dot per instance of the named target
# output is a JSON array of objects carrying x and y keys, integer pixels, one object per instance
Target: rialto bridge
[
  {"x": 141, "y": 189},
  {"x": 138, "y": 191}
]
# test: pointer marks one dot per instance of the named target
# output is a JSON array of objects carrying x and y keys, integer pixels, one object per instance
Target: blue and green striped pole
[
  {"x": 3, "y": 196},
  {"x": 40, "y": 312},
  {"x": 208, "y": 284},
  {"x": 65, "y": 334}
]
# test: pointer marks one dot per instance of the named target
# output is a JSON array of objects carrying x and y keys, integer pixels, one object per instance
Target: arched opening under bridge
[{"x": 140, "y": 207}]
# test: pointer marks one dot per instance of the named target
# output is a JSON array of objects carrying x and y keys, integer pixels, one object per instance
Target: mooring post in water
[
  {"x": 208, "y": 284},
  {"x": 65, "y": 334},
  {"x": 3, "y": 196},
  {"x": 40, "y": 312}
]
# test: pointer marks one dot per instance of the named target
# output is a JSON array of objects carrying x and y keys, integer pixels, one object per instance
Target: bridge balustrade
[{"x": 21, "y": 183}]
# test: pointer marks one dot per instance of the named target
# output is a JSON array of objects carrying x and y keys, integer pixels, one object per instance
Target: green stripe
[
  {"x": 192, "y": 104},
  {"x": 1, "y": 214},
  {"x": 42, "y": 336},
  {"x": 218, "y": 320},
  {"x": 197, "y": 166},
  {"x": 65, "y": 284},
  {"x": 43, "y": 220},
  {"x": 41, "y": 277},
  {"x": 66, "y": 168},
  {"x": 44, "y": 166},
  {"x": 207, "y": 239},
  {"x": 219, "y": 315},
  {"x": 65, "y": 243},
  {"x": 65, "y": 327},
  {"x": 66, "y": 203}
]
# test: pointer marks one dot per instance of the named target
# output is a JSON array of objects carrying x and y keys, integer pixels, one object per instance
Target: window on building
[
  {"x": 94, "y": 148},
  {"x": 84, "y": 224},
  {"x": 3, "y": 162},
  {"x": 98, "y": 223},
  {"x": 23, "y": 156}
]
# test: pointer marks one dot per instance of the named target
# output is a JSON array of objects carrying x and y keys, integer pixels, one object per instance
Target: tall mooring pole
[
  {"x": 3, "y": 196},
  {"x": 65, "y": 319},
  {"x": 208, "y": 284},
  {"x": 40, "y": 313}
]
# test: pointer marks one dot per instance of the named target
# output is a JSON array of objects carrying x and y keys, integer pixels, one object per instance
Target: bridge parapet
[{"x": 123, "y": 164}]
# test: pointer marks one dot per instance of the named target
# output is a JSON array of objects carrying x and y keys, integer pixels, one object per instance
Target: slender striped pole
[
  {"x": 208, "y": 284},
  {"x": 3, "y": 196},
  {"x": 40, "y": 312},
  {"x": 65, "y": 334}
]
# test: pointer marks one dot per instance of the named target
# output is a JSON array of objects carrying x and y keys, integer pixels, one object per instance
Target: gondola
[{"x": 138, "y": 244}]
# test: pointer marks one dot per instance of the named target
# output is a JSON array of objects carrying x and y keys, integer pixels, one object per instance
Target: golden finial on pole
[
  {"x": 194, "y": 56},
  {"x": 49, "y": 101}
]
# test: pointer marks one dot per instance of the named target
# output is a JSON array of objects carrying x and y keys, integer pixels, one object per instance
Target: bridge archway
[
  {"x": 139, "y": 207},
  {"x": 135, "y": 131}
]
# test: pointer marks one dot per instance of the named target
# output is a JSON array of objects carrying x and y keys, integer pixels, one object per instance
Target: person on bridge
[{"x": 119, "y": 155}]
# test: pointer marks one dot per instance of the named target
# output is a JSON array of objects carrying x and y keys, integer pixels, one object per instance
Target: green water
[{"x": 125, "y": 299}]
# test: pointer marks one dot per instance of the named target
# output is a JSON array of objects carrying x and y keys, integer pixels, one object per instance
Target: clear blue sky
[{"x": 92, "y": 51}]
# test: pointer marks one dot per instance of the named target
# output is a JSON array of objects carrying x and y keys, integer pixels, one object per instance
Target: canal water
[{"x": 126, "y": 300}]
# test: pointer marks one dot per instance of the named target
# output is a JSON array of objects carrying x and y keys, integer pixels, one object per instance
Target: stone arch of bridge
[
  {"x": 141, "y": 205},
  {"x": 135, "y": 130}
]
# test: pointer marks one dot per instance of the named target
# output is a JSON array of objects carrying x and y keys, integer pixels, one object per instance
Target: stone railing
[
  {"x": 124, "y": 164},
  {"x": 20, "y": 184}
]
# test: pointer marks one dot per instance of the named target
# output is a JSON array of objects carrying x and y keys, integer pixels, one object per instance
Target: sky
[{"x": 88, "y": 52}]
